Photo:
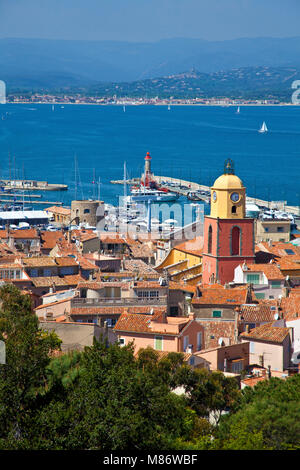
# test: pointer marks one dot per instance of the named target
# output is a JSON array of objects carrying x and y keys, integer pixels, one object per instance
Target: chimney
[{"x": 247, "y": 329}]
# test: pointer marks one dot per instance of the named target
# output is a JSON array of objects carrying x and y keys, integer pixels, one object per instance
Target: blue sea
[{"x": 186, "y": 142}]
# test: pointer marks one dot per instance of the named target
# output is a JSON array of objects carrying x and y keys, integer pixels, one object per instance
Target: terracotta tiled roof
[
  {"x": 29, "y": 233},
  {"x": 291, "y": 305},
  {"x": 86, "y": 264},
  {"x": 219, "y": 295},
  {"x": 143, "y": 309},
  {"x": 278, "y": 249},
  {"x": 267, "y": 332},
  {"x": 139, "y": 249},
  {"x": 140, "y": 266},
  {"x": 71, "y": 280},
  {"x": 257, "y": 313},
  {"x": 271, "y": 270},
  {"x": 289, "y": 263},
  {"x": 59, "y": 210},
  {"x": 39, "y": 261},
  {"x": 147, "y": 285},
  {"x": 252, "y": 381},
  {"x": 193, "y": 247},
  {"x": 65, "y": 261},
  {"x": 112, "y": 240},
  {"x": 173, "y": 285},
  {"x": 96, "y": 285},
  {"x": 49, "y": 239},
  {"x": 136, "y": 323}
]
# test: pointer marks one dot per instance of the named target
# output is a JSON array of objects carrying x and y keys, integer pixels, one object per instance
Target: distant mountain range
[
  {"x": 52, "y": 64},
  {"x": 245, "y": 83}
]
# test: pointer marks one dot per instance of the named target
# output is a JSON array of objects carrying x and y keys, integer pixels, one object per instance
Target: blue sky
[{"x": 148, "y": 20}]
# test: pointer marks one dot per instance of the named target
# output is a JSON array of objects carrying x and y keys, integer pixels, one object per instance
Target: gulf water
[{"x": 185, "y": 142}]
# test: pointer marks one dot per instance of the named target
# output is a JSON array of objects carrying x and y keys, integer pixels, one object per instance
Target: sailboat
[
  {"x": 169, "y": 107},
  {"x": 238, "y": 110},
  {"x": 263, "y": 128},
  {"x": 53, "y": 107},
  {"x": 124, "y": 109}
]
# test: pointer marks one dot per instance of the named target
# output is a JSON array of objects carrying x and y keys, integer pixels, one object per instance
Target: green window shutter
[
  {"x": 158, "y": 343},
  {"x": 276, "y": 284},
  {"x": 259, "y": 295},
  {"x": 217, "y": 313},
  {"x": 253, "y": 278}
]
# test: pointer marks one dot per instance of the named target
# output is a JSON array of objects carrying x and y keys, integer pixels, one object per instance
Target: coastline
[{"x": 63, "y": 103}]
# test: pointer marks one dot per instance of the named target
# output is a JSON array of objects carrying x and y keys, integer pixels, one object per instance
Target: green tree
[
  {"x": 266, "y": 416},
  {"x": 27, "y": 356}
]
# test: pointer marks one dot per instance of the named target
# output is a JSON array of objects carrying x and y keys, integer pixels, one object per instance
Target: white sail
[
  {"x": 238, "y": 110},
  {"x": 263, "y": 128}
]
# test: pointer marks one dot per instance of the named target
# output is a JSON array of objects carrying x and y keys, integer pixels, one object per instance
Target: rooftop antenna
[{"x": 94, "y": 183}]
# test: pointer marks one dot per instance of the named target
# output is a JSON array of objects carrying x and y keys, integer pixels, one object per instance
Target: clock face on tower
[
  {"x": 235, "y": 197},
  {"x": 214, "y": 196}
]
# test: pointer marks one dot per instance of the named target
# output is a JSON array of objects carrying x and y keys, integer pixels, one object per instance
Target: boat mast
[{"x": 124, "y": 182}]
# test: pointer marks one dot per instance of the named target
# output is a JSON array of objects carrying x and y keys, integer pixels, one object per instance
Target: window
[
  {"x": 237, "y": 366},
  {"x": 173, "y": 311},
  {"x": 252, "y": 347},
  {"x": 266, "y": 229},
  {"x": 122, "y": 341},
  {"x": 259, "y": 295},
  {"x": 276, "y": 284},
  {"x": 235, "y": 241},
  {"x": 217, "y": 313},
  {"x": 199, "y": 341},
  {"x": 209, "y": 247},
  {"x": 289, "y": 252},
  {"x": 233, "y": 210},
  {"x": 158, "y": 343},
  {"x": 185, "y": 342},
  {"x": 145, "y": 294},
  {"x": 86, "y": 211},
  {"x": 253, "y": 278},
  {"x": 279, "y": 229}
]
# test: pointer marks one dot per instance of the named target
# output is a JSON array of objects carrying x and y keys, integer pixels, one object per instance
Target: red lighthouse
[
  {"x": 228, "y": 233},
  {"x": 147, "y": 173}
]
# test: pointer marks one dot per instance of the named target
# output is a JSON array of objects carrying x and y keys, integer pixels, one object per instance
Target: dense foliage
[{"x": 106, "y": 398}]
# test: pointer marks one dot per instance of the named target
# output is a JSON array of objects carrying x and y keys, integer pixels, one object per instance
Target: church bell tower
[{"x": 228, "y": 233}]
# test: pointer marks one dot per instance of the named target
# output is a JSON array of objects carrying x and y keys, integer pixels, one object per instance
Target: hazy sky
[{"x": 148, "y": 20}]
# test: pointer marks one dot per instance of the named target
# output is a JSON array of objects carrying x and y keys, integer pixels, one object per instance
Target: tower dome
[
  {"x": 228, "y": 182},
  {"x": 228, "y": 195}
]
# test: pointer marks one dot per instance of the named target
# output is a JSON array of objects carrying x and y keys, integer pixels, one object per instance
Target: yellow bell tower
[{"x": 228, "y": 195}]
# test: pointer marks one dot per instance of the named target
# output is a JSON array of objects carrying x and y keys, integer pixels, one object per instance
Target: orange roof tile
[
  {"x": 143, "y": 309},
  {"x": 270, "y": 270},
  {"x": 267, "y": 332},
  {"x": 217, "y": 294}
]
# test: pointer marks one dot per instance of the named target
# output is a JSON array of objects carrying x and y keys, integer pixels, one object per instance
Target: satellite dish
[
  {"x": 221, "y": 342},
  {"x": 276, "y": 316}
]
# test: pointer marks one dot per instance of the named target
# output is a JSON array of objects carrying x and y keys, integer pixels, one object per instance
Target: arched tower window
[
  {"x": 235, "y": 241},
  {"x": 209, "y": 242}
]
